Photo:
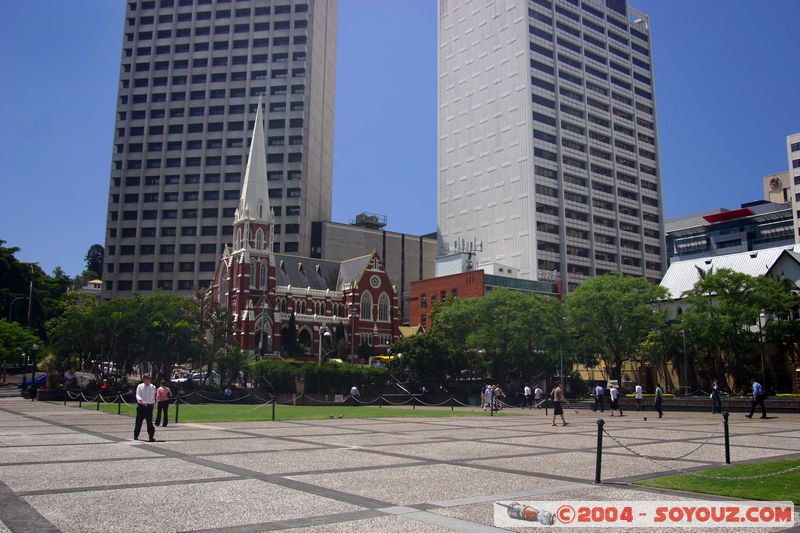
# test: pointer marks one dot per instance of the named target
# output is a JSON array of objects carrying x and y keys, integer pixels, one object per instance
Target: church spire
[{"x": 254, "y": 201}]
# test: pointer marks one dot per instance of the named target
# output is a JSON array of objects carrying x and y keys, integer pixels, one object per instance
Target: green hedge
[{"x": 328, "y": 378}]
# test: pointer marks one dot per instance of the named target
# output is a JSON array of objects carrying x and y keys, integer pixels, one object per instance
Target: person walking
[
  {"x": 488, "y": 395},
  {"x": 638, "y": 395},
  {"x": 527, "y": 398},
  {"x": 163, "y": 394},
  {"x": 659, "y": 398},
  {"x": 538, "y": 394},
  {"x": 499, "y": 396},
  {"x": 145, "y": 400},
  {"x": 613, "y": 393},
  {"x": 558, "y": 397},
  {"x": 716, "y": 401},
  {"x": 758, "y": 398},
  {"x": 355, "y": 395},
  {"x": 598, "y": 398}
]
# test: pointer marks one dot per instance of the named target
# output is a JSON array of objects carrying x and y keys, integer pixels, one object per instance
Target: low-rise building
[{"x": 754, "y": 226}]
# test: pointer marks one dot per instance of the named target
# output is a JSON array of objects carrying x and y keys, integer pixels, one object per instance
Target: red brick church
[{"x": 263, "y": 289}]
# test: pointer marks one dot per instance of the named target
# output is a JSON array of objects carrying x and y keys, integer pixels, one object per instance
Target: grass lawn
[
  {"x": 210, "y": 412},
  {"x": 785, "y": 487}
]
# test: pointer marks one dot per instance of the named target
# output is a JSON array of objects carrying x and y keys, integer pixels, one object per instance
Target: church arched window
[
  {"x": 366, "y": 306},
  {"x": 383, "y": 307},
  {"x": 262, "y": 278},
  {"x": 259, "y": 239}
]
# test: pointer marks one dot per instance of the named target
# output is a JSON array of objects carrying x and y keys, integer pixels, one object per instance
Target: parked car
[
  {"x": 39, "y": 381},
  {"x": 198, "y": 377}
]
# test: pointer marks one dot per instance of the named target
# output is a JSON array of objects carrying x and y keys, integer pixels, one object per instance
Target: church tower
[{"x": 245, "y": 278}]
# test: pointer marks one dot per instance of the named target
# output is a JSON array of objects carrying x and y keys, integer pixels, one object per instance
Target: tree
[
  {"x": 94, "y": 259},
  {"x": 14, "y": 340},
  {"x": 215, "y": 325},
  {"x": 230, "y": 363},
  {"x": 723, "y": 320},
  {"x": 612, "y": 315},
  {"x": 289, "y": 340},
  {"x": 517, "y": 333}
]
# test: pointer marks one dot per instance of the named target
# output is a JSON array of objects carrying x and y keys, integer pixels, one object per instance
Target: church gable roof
[
  {"x": 351, "y": 270},
  {"x": 297, "y": 271}
]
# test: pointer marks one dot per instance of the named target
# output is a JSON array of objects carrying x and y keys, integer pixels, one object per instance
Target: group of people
[
  {"x": 530, "y": 395},
  {"x": 492, "y": 397},
  {"x": 149, "y": 397}
]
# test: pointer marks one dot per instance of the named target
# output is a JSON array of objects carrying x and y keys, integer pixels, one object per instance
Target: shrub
[{"x": 328, "y": 378}]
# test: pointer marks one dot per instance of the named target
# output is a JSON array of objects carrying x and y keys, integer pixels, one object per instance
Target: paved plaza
[{"x": 77, "y": 470}]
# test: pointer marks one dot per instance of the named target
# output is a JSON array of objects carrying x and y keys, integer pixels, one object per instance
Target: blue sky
[{"x": 727, "y": 89}]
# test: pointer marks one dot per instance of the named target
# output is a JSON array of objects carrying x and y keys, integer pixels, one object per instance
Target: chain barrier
[
  {"x": 661, "y": 462},
  {"x": 652, "y": 458}
]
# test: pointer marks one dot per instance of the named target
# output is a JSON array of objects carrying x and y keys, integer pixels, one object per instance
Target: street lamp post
[
  {"x": 11, "y": 305},
  {"x": 762, "y": 322},
  {"x": 264, "y": 309},
  {"x": 323, "y": 333},
  {"x": 685, "y": 365},
  {"x": 353, "y": 316}
]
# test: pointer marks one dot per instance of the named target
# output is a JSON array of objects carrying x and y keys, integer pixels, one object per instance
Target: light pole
[
  {"x": 762, "y": 322},
  {"x": 11, "y": 305},
  {"x": 323, "y": 333},
  {"x": 353, "y": 316},
  {"x": 685, "y": 365},
  {"x": 34, "y": 348},
  {"x": 264, "y": 309}
]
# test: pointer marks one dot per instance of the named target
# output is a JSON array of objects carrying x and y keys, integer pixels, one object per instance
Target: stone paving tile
[
  {"x": 457, "y": 450},
  {"x": 203, "y": 447},
  {"x": 124, "y": 450},
  {"x": 367, "y": 440},
  {"x": 107, "y": 473},
  {"x": 415, "y": 484},
  {"x": 304, "y": 461},
  {"x": 4, "y": 529},
  {"x": 188, "y": 507},
  {"x": 18, "y": 431},
  {"x": 371, "y": 525},
  {"x": 303, "y": 431},
  {"x": 61, "y": 439}
]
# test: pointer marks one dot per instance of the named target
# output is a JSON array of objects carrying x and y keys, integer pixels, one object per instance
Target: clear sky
[{"x": 727, "y": 89}]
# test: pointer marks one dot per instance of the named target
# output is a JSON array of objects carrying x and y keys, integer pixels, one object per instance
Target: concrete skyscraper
[
  {"x": 191, "y": 75},
  {"x": 793, "y": 154},
  {"x": 548, "y": 144}
]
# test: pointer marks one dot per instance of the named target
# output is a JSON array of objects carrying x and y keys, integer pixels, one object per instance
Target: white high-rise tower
[{"x": 548, "y": 144}]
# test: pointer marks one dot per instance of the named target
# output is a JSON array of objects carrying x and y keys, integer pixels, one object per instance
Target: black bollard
[
  {"x": 452, "y": 404},
  {"x": 599, "y": 460},
  {"x": 65, "y": 398},
  {"x": 119, "y": 405},
  {"x": 727, "y": 437},
  {"x": 177, "y": 407},
  {"x": 98, "y": 402},
  {"x": 80, "y": 402},
  {"x": 273, "y": 408}
]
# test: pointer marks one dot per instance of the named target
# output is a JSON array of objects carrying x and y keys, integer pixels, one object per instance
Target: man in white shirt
[
  {"x": 638, "y": 394},
  {"x": 598, "y": 398},
  {"x": 527, "y": 401},
  {"x": 538, "y": 393},
  {"x": 489, "y": 395},
  {"x": 613, "y": 393},
  {"x": 145, "y": 399}
]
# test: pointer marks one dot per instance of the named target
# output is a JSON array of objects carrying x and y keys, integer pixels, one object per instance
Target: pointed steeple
[{"x": 254, "y": 201}]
